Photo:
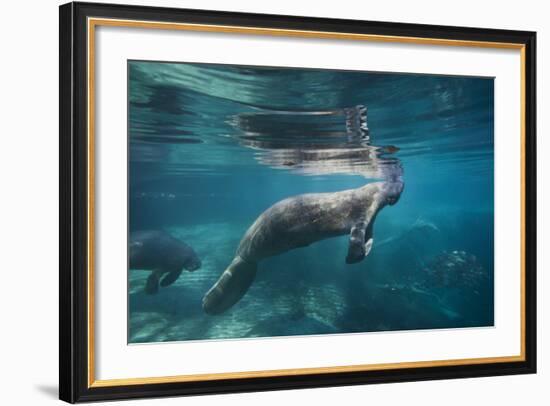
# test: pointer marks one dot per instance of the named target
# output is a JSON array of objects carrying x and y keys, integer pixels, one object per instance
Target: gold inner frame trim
[{"x": 94, "y": 22}]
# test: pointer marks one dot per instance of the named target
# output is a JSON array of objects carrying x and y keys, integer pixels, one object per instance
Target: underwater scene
[{"x": 276, "y": 201}]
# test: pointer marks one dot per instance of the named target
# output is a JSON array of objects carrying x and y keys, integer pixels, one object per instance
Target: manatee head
[{"x": 392, "y": 191}]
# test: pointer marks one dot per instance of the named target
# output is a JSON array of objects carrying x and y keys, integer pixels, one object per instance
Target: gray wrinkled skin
[
  {"x": 164, "y": 255},
  {"x": 298, "y": 222}
]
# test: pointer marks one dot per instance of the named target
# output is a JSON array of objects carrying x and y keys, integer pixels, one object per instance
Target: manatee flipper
[
  {"x": 368, "y": 246},
  {"x": 356, "y": 247},
  {"x": 152, "y": 285},
  {"x": 230, "y": 287},
  {"x": 368, "y": 237},
  {"x": 171, "y": 277},
  {"x": 360, "y": 237}
]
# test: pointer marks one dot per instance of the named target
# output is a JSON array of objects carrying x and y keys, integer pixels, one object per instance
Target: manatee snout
[{"x": 193, "y": 264}]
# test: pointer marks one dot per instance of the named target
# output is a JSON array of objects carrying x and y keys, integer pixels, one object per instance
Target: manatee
[
  {"x": 298, "y": 222},
  {"x": 165, "y": 256}
]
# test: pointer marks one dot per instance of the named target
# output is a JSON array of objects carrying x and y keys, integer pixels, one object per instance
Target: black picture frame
[{"x": 74, "y": 384}]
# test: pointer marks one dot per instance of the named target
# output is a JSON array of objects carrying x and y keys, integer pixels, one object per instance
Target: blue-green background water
[{"x": 213, "y": 146}]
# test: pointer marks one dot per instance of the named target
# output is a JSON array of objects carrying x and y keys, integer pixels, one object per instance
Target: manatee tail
[{"x": 230, "y": 287}]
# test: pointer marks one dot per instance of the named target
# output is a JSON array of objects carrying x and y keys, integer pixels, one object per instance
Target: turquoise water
[{"x": 213, "y": 146}]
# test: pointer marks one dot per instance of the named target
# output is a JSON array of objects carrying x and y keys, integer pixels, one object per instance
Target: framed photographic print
[{"x": 255, "y": 202}]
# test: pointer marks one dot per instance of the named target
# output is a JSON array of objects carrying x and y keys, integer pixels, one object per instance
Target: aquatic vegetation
[{"x": 455, "y": 269}]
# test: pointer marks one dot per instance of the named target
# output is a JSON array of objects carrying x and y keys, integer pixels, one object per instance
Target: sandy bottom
[{"x": 304, "y": 291}]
